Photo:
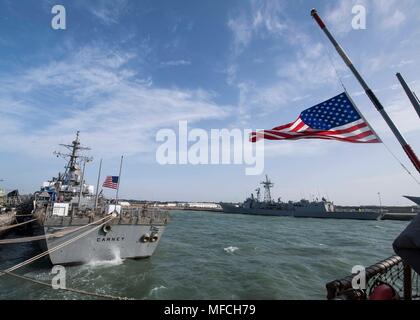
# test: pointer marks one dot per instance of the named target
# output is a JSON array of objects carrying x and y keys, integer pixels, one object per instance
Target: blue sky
[{"x": 124, "y": 69}]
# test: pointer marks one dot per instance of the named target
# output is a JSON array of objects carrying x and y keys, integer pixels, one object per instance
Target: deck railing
[{"x": 392, "y": 271}]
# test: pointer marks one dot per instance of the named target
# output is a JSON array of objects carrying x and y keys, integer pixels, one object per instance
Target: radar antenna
[
  {"x": 267, "y": 184},
  {"x": 72, "y": 168}
]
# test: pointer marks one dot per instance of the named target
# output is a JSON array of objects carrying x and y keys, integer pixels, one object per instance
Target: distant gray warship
[
  {"x": 301, "y": 209},
  {"x": 80, "y": 227}
]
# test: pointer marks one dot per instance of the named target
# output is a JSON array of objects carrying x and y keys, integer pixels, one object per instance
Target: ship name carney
[{"x": 109, "y": 239}]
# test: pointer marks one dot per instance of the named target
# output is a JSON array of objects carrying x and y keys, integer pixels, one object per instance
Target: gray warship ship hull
[
  {"x": 231, "y": 208},
  {"x": 340, "y": 215},
  {"x": 119, "y": 240},
  {"x": 301, "y": 212}
]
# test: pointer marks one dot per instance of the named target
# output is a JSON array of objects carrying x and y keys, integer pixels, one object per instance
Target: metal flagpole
[
  {"x": 97, "y": 184},
  {"x": 118, "y": 186},
  {"x": 406, "y": 147},
  {"x": 411, "y": 95}
]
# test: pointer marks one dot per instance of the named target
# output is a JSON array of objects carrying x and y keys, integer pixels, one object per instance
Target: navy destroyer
[
  {"x": 300, "y": 209},
  {"x": 80, "y": 226}
]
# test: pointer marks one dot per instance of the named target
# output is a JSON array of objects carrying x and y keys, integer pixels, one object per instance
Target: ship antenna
[{"x": 406, "y": 147}]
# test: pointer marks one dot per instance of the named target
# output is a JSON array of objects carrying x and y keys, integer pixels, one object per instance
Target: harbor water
[{"x": 207, "y": 255}]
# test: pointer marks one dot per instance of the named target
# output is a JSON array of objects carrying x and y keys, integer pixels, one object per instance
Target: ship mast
[
  {"x": 267, "y": 184},
  {"x": 406, "y": 147},
  {"x": 73, "y": 167}
]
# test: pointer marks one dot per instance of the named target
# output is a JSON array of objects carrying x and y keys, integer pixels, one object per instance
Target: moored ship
[
  {"x": 80, "y": 226},
  {"x": 300, "y": 209}
]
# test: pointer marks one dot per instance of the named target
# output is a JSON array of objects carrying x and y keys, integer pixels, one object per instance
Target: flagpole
[
  {"x": 97, "y": 184},
  {"x": 411, "y": 95},
  {"x": 118, "y": 186},
  {"x": 406, "y": 147}
]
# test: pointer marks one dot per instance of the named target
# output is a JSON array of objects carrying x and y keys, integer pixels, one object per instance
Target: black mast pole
[
  {"x": 411, "y": 95},
  {"x": 406, "y": 147}
]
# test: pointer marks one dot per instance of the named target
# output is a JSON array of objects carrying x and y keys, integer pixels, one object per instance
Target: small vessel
[
  {"x": 300, "y": 209},
  {"x": 80, "y": 226}
]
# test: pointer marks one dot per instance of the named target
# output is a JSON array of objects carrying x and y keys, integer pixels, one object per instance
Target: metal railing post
[{"x": 408, "y": 289}]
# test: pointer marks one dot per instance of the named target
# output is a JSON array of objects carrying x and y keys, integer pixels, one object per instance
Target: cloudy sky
[{"x": 123, "y": 69}]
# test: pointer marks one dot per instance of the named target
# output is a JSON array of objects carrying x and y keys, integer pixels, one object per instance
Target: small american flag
[
  {"x": 111, "y": 182},
  {"x": 334, "y": 119}
]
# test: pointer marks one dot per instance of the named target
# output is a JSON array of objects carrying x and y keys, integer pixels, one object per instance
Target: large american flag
[
  {"x": 335, "y": 119},
  {"x": 111, "y": 182}
]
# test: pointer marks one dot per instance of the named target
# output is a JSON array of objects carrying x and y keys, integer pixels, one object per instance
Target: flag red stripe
[
  {"x": 298, "y": 127},
  {"x": 275, "y": 135}
]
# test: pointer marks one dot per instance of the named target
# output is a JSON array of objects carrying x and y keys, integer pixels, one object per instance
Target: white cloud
[
  {"x": 381, "y": 14},
  {"x": 242, "y": 32},
  {"x": 394, "y": 21},
  {"x": 108, "y": 12},
  {"x": 402, "y": 63},
  {"x": 175, "y": 63},
  {"x": 263, "y": 18},
  {"x": 311, "y": 66},
  {"x": 339, "y": 17},
  {"x": 402, "y": 113},
  {"x": 95, "y": 92},
  {"x": 273, "y": 149},
  {"x": 267, "y": 16}
]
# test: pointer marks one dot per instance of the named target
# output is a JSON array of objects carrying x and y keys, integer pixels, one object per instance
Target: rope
[
  {"x": 337, "y": 75},
  {"x": 99, "y": 295},
  {"x": 47, "y": 236},
  {"x": 16, "y": 225},
  {"x": 24, "y": 239},
  {"x": 47, "y": 252},
  {"x": 9, "y": 270},
  {"x": 402, "y": 165}
]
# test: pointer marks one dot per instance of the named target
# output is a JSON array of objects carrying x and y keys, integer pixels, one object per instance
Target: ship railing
[
  {"x": 392, "y": 271},
  {"x": 146, "y": 214},
  {"x": 139, "y": 215}
]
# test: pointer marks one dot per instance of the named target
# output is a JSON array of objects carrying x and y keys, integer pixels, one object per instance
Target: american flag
[
  {"x": 111, "y": 182},
  {"x": 334, "y": 119}
]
